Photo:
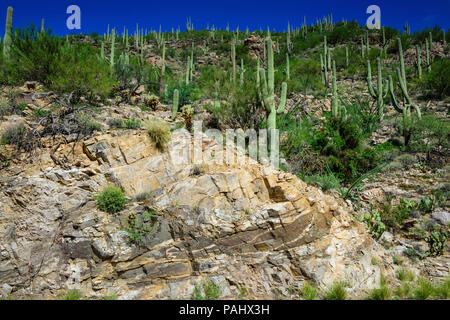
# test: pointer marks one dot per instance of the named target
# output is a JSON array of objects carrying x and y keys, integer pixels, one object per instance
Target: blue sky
[{"x": 97, "y": 14}]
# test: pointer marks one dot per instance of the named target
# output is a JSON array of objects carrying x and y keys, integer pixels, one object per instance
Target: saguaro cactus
[
  {"x": 163, "y": 69},
  {"x": 233, "y": 59},
  {"x": 380, "y": 92},
  {"x": 347, "y": 63},
  {"x": 176, "y": 100},
  {"x": 7, "y": 40},
  {"x": 288, "y": 69},
  {"x": 268, "y": 90},
  {"x": 336, "y": 111},
  {"x": 419, "y": 63},
  {"x": 113, "y": 43}
]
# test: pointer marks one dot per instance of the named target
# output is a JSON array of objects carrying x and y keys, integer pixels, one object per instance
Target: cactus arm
[
  {"x": 396, "y": 105},
  {"x": 372, "y": 91},
  {"x": 264, "y": 90},
  {"x": 7, "y": 39}
]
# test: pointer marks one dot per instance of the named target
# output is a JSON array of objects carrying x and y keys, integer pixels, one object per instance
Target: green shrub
[
  {"x": 437, "y": 241},
  {"x": 111, "y": 200},
  {"x": 373, "y": 222},
  {"x": 86, "y": 125},
  {"x": 431, "y": 135},
  {"x": 132, "y": 123},
  {"x": 159, "y": 132},
  {"x": 139, "y": 226},
  {"x": 437, "y": 81}
]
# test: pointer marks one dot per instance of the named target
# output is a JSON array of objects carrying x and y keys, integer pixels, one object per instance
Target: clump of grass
[
  {"x": 210, "y": 289},
  {"x": 423, "y": 290},
  {"x": 405, "y": 275},
  {"x": 159, "y": 132},
  {"x": 308, "y": 292},
  {"x": 443, "y": 290},
  {"x": 336, "y": 291},
  {"x": 112, "y": 296},
  {"x": 72, "y": 294},
  {"x": 403, "y": 291},
  {"x": 111, "y": 200}
]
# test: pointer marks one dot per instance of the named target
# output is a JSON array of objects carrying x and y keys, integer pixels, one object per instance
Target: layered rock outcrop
[{"x": 241, "y": 226}]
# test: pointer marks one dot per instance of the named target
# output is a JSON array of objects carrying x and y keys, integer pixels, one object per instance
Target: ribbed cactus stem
[
  {"x": 43, "y": 25},
  {"x": 102, "y": 52},
  {"x": 402, "y": 60},
  {"x": 176, "y": 99},
  {"x": 427, "y": 48},
  {"x": 233, "y": 59},
  {"x": 419, "y": 62},
  {"x": 7, "y": 39},
  {"x": 381, "y": 91},
  {"x": 334, "y": 102},
  {"x": 113, "y": 42},
  {"x": 347, "y": 63},
  {"x": 288, "y": 71},
  {"x": 188, "y": 70},
  {"x": 163, "y": 69},
  {"x": 362, "y": 48},
  {"x": 431, "y": 41},
  {"x": 323, "y": 70}
]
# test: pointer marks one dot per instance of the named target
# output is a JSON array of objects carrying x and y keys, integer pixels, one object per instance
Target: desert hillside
[{"x": 103, "y": 194}]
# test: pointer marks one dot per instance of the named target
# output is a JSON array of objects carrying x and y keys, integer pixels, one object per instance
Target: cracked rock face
[{"x": 239, "y": 225}]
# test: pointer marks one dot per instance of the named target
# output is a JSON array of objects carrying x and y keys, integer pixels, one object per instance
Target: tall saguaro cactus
[
  {"x": 233, "y": 59},
  {"x": 113, "y": 43},
  {"x": 7, "y": 40},
  {"x": 163, "y": 69},
  {"x": 381, "y": 91},
  {"x": 176, "y": 99},
  {"x": 268, "y": 90},
  {"x": 336, "y": 110},
  {"x": 419, "y": 63}
]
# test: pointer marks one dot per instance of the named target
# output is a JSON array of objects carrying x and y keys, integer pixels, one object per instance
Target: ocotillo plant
[
  {"x": 268, "y": 90},
  {"x": 381, "y": 91},
  {"x": 176, "y": 100},
  {"x": 7, "y": 39}
]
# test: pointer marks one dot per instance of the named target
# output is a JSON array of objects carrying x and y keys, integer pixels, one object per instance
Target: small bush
[
  {"x": 132, "y": 124},
  {"x": 373, "y": 222},
  {"x": 381, "y": 293},
  {"x": 437, "y": 241},
  {"x": 111, "y": 200},
  {"x": 87, "y": 126},
  {"x": 438, "y": 81},
  {"x": 159, "y": 132}
]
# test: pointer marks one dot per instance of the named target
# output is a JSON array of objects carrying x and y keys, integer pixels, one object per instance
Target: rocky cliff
[{"x": 248, "y": 228}]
